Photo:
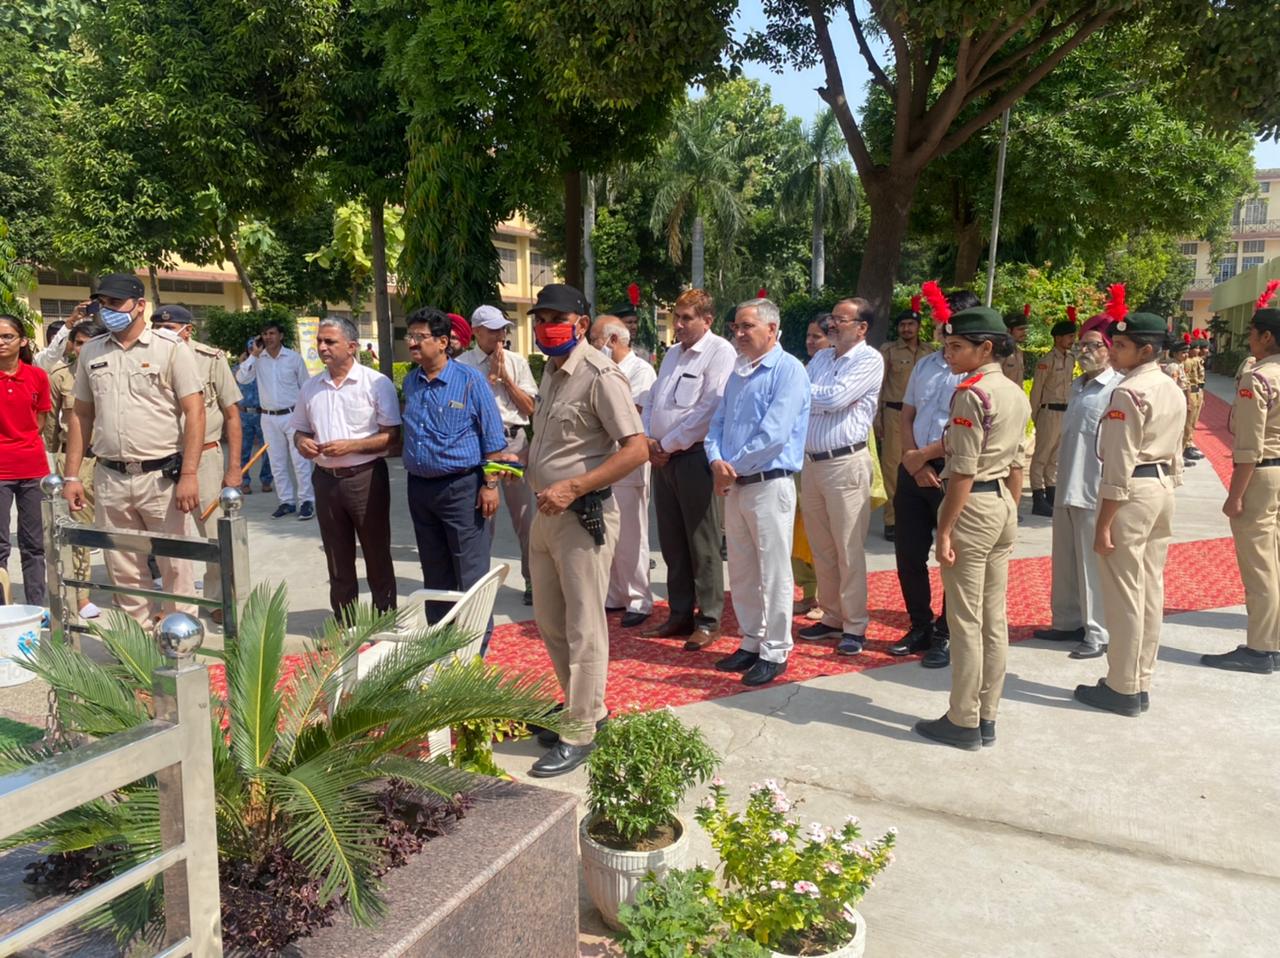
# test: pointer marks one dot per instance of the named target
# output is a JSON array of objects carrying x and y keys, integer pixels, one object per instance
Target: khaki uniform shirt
[
  {"x": 219, "y": 385},
  {"x": 989, "y": 416},
  {"x": 1014, "y": 367},
  {"x": 1052, "y": 382},
  {"x": 1142, "y": 425},
  {"x": 585, "y": 409},
  {"x": 1245, "y": 368},
  {"x": 1255, "y": 413},
  {"x": 62, "y": 393},
  {"x": 899, "y": 360},
  {"x": 136, "y": 394},
  {"x": 1188, "y": 373}
]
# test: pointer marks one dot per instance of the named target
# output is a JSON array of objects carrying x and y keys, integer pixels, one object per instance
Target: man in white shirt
[
  {"x": 629, "y": 574},
  {"x": 689, "y": 388},
  {"x": 345, "y": 420},
  {"x": 280, "y": 374},
  {"x": 516, "y": 392},
  {"x": 835, "y": 483}
]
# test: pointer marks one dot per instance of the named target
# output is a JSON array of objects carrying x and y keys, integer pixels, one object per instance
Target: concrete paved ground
[{"x": 1078, "y": 834}]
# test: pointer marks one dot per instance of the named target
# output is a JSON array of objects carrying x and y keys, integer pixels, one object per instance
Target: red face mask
[{"x": 555, "y": 339}]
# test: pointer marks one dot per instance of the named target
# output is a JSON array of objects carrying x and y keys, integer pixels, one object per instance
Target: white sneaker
[
  {"x": 90, "y": 611},
  {"x": 158, "y": 583}
]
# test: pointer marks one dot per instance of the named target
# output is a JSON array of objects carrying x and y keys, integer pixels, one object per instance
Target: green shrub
[
  {"x": 676, "y": 915},
  {"x": 537, "y": 363},
  {"x": 232, "y": 330},
  {"x": 798, "y": 311},
  {"x": 1227, "y": 362}
]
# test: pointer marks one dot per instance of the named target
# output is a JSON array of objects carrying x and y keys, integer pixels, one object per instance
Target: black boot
[
  {"x": 1040, "y": 503},
  {"x": 1051, "y": 493}
]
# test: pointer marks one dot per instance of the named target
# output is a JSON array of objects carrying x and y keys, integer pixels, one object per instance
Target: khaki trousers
[
  {"x": 1133, "y": 583},
  {"x": 1076, "y": 595},
  {"x": 890, "y": 457},
  {"x": 1195, "y": 402},
  {"x": 975, "y": 588},
  {"x": 759, "y": 520},
  {"x": 1044, "y": 461},
  {"x": 81, "y": 564},
  {"x": 629, "y": 572},
  {"x": 835, "y": 495},
  {"x": 570, "y": 577},
  {"x": 142, "y": 503},
  {"x": 1257, "y": 536},
  {"x": 212, "y": 467}
]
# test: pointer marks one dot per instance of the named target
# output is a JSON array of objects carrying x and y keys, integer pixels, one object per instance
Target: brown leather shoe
[
  {"x": 669, "y": 628},
  {"x": 702, "y": 637}
]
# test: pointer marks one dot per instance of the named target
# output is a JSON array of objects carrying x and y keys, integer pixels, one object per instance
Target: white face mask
[{"x": 606, "y": 351}]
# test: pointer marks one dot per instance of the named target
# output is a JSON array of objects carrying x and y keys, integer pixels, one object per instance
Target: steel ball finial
[
  {"x": 230, "y": 500},
  {"x": 180, "y": 636},
  {"x": 51, "y": 486}
]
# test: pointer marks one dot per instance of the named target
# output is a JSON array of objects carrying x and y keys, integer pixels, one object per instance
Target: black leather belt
[
  {"x": 136, "y": 468},
  {"x": 1150, "y": 470},
  {"x": 762, "y": 476},
  {"x": 979, "y": 485},
  {"x": 696, "y": 447},
  {"x": 1269, "y": 462},
  {"x": 893, "y": 405},
  {"x": 837, "y": 453},
  {"x": 276, "y": 412},
  {"x": 346, "y": 472},
  {"x": 1055, "y": 406},
  {"x": 1197, "y": 389},
  {"x": 250, "y": 410}
]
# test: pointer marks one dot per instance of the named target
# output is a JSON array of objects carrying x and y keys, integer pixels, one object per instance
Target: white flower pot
[
  {"x": 854, "y": 949},
  {"x": 613, "y": 876}
]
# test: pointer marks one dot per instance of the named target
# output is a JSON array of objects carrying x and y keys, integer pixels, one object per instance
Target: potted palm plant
[{"x": 641, "y": 769}]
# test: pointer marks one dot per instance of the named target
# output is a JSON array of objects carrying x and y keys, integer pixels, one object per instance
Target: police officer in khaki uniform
[
  {"x": 900, "y": 357},
  {"x": 219, "y": 464},
  {"x": 1050, "y": 390},
  {"x": 977, "y": 523},
  {"x": 62, "y": 382},
  {"x": 138, "y": 404},
  {"x": 1139, "y": 441},
  {"x": 1253, "y": 499},
  {"x": 586, "y": 436}
]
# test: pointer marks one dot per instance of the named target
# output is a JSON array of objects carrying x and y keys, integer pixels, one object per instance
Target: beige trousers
[
  {"x": 1133, "y": 583},
  {"x": 835, "y": 495},
  {"x": 629, "y": 573},
  {"x": 1195, "y": 402},
  {"x": 1257, "y": 536},
  {"x": 975, "y": 588},
  {"x": 81, "y": 565},
  {"x": 1044, "y": 461},
  {"x": 570, "y": 576},
  {"x": 890, "y": 457},
  {"x": 212, "y": 467},
  {"x": 144, "y": 503}
]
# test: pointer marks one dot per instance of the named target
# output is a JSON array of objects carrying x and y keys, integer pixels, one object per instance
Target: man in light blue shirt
[{"x": 755, "y": 444}]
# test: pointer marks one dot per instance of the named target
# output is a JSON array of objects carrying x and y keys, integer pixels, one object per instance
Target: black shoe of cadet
[
  {"x": 987, "y": 731},
  {"x": 1102, "y": 696},
  {"x": 948, "y": 733}
]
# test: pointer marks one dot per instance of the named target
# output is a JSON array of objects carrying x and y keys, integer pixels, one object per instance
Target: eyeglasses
[
  {"x": 8, "y": 338},
  {"x": 1090, "y": 347}
]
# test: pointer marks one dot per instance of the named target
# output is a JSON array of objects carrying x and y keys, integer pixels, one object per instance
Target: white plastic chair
[{"x": 470, "y": 614}]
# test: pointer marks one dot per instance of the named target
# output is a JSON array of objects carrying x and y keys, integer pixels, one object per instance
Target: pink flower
[
  {"x": 806, "y": 888},
  {"x": 717, "y": 782},
  {"x": 778, "y": 836},
  {"x": 851, "y": 819},
  {"x": 780, "y": 803},
  {"x": 708, "y": 802},
  {"x": 816, "y": 833},
  {"x": 777, "y": 885},
  {"x": 833, "y": 868}
]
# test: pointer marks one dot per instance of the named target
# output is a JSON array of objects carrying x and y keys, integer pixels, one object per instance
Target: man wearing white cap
[{"x": 514, "y": 388}]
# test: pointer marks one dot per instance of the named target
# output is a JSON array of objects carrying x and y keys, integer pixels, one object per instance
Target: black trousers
[
  {"x": 351, "y": 507},
  {"x": 916, "y": 520},
  {"x": 689, "y": 530},
  {"x": 26, "y": 493}
]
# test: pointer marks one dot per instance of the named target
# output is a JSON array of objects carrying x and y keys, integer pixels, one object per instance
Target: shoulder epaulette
[{"x": 972, "y": 380}]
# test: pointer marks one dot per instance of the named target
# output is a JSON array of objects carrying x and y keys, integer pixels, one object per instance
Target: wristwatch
[{"x": 491, "y": 483}]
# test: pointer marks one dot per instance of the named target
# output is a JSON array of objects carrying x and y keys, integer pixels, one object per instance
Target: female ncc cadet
[
  {"x": 1140, "y": 445},
  {"x": 1253, "y": 501},
  {"x": 977, "y": 521}
]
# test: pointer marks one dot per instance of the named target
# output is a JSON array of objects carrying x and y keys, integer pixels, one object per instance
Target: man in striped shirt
[{"x": 835, "y": 482}]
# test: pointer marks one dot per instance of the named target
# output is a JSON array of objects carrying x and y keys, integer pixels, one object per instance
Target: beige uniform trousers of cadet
[
  {"x": 1051, "y": 386},
  {"x": 1132, "y": 580},
  {"x": 975, "y": 588},
  {"x": 835, "y": 496},
  {"x": 570, "y": 579},
  {"x": 143, "y": 502},
  {"x": 212, "y": 468},
  {"x": 81, "y": 562},
  {"x": 1256, "y": 532},
  {"x": 1195, "y": 402}
]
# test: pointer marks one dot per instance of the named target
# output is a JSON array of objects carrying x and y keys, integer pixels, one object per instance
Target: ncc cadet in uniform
[
  {"x": 977, "y": 523},
  {"x": 1050, "y": 390},
  {"x": 62, "y": 390},
  {"x": 1014, "y": 366},
  {"x": 587, "y": 435},
  {"x": 219, "y": 465},
  {"x": 1139, "y": 441},
  {"x": 1253, "y": 499},
  {"x": 1195, "y": 396},
  {"x": 900, "y": 357},
  {"x": 138, "y": 405}
]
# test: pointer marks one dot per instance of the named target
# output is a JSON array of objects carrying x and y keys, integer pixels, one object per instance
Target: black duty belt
[
  {"x": 250, "y": 410},
  {"x": 893, "y": 405},
  {"x": 1055, "y": 406},
  {"x": 136, "y": 467},
  {"x": 979, "y": 485},
  {"x": 1269, "y": 462},
  {"x": 276, "y": 412},
  {"x": 836, "y": 453},
  {"x": 762, "y": 476},
  {"x": 1197, "y": 389},
  {"x": 1150, "y": 470},
  {"x": 346, "y": 472}
]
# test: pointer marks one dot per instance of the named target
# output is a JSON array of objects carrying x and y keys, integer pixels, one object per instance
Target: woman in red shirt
[{"x": 24, "y": 404}]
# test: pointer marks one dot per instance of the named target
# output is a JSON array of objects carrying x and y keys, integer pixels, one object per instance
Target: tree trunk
[
  {"x": 155, "y": 284},
  {"x": 890, "y": 204},
  {"x": 573, "y": 228},
  {"x": 968, "y": 251},
  {"x": 699, "y": 252},
  {"x": 818, "y": 251},
  {"x": 232, "y": 254},
  {"x": 381, "y": 300},
  {"x": 588, "y": 252}
]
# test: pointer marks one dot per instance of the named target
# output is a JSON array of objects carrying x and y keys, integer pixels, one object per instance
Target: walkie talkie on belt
[{"x": 590, "y": 511}]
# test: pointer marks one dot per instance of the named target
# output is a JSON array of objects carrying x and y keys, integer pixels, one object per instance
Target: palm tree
[
  {"x": 819, "y": 176},
  {"x": 292, "y": 770},
  {"x": 698, "y": 170}
]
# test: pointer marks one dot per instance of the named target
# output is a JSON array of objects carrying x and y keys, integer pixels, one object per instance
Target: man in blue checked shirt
[
  {"x": 451, "y": 426},
  {"x": 755, "y": 444}
]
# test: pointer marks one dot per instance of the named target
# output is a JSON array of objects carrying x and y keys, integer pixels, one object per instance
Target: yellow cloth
[{"x": 878, "y": 495}]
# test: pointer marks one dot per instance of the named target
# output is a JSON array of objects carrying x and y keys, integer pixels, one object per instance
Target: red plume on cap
[
  {"x": 633, "y": 294},
  {"x": 1267, "y": 293},
  {"x": 1115, "y": 307},
  {"x": 915, "y": 303},
  {"x": 1071, "y": 314},
  {"x": 937, "y": 301},
  {"x": 1026, "y": 310},
  {"x": 1186, "y": 337},
  {"x": 761, "y": 293}
]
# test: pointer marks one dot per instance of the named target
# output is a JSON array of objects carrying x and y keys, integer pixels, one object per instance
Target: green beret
[
  {"x": 976, "y": 319},
  {"x": 623, "y": 310},
  {"x": 1268, "y": 318},
  {"x": 1179, "y": 347},
  {"x": 1063, "y": 328},
  {"x": 1014, "y": 320},
  {"x": 1142, "y": 323}
]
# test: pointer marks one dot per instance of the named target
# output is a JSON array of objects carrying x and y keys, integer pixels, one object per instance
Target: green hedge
[{"x": 232, "y": 330}]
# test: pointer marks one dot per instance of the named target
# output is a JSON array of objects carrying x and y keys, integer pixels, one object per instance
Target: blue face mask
[{"x": 115, "y": 320}]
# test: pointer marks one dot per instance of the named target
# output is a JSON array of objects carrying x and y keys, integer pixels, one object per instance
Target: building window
[
  {"x": 1226, "y": 269},
  {"x": 1249, "y": 262},
  {"x": 1188, "y": 305},
  {"x": 1255, "y": 246},
  {"x": 190, "y": 286},
  {"x": 1230, "y": 248},
  {"x": 1189, "y": 249},
  {"x": 1264, "y": 186},
  {"x": 510, "y": 272},
  {"x": 540, "y": 268},
  {"x": 49, "y": 277},
  {"x": 58, "y": 309},
  {"x": 1250, "y": 213}
]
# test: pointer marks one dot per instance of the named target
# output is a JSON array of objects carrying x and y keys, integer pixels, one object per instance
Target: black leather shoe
[
  {"x": 889, "y": 533},
  {"x": 939, "y": 654},
  {"x": 1193, "y": 453},
  {"x": 547, "y": 738},
  {"x": 1059, "y": 635},
  {"x": 987, "y": 732},
  {"x": 560, "y": 759},
  {"x": 1040, "y": 505},
  {"x": 631, "y": 619},
  {"x": 1187, "y": 460},
  {"x": 948, "y": 733},
  {"x": 1101, "y": 696},
  {"x": 1241, "y": 659},
  {"x": 740, "y": 661},
  {"x": 1144, "y": 701},
  {"x": 917, "y": 640},
  {"x": 762, "y": 673}
]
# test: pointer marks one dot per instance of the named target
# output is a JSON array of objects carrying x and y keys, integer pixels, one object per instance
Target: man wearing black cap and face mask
[
  {"x": 138, "y": 403},
  {"x": 586, "y": 436}
]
